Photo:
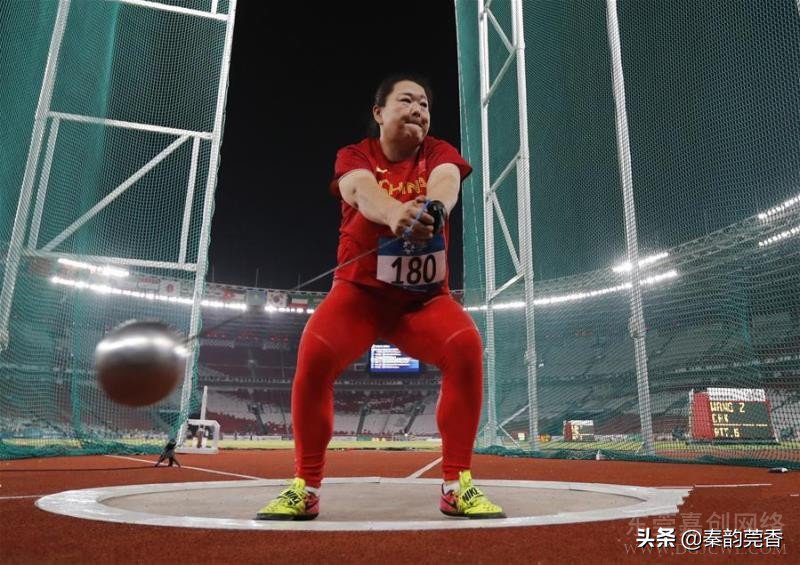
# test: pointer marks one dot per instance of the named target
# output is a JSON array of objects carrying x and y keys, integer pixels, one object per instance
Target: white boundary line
[
  {"x": 22, "y": 496},
  {"x": 690, "y": 487},
  {"x": 212, "y": 471},
  {"x": 735, "y": 486},
  {"x": 88, "y": 504},
  {"x": 416, "y": 474}
]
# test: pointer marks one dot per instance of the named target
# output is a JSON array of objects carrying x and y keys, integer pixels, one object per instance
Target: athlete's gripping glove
[{"x": 439, "y": 213}]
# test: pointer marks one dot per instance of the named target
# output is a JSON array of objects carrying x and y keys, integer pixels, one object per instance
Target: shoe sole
[
  {"x": 286, "y": 517},
  {"x": 474, "y": 516}
]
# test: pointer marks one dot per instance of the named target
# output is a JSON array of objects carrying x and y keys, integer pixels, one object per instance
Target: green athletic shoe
[
  {"x": 468, "y": 501},
  {"x": 294, "y": 503}
]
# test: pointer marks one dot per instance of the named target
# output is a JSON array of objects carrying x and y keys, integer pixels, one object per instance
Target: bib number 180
[
  {"x": 414, "y": 270},
  {"x": 420, "y": 269}
]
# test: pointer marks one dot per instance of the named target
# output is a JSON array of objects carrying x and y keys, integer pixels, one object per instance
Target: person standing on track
[
  {"x": 169, "y": 453},
  {"x": 396, "y": 191}
]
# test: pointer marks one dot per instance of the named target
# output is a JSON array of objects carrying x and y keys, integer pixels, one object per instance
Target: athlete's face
[{"x": 405, "y": 118}]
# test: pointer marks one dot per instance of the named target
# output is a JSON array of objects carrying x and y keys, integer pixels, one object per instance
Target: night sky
[{"x": 302, "y": 81}]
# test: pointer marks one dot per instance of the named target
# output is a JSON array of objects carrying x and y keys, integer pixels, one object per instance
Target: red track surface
[{"x": 30, "y": 535}]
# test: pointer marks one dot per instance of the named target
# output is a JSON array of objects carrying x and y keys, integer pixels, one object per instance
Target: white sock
[
  {"x": 451, "y": 486},
  {"x": 312, "y": 490}
]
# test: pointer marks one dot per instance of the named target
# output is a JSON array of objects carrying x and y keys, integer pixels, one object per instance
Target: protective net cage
[
  {"x": 112, "y": 115},
  {"x": 655, "y": 198}
]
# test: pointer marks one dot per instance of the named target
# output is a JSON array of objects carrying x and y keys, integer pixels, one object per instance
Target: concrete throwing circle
[{"x": 360, "y": 504}]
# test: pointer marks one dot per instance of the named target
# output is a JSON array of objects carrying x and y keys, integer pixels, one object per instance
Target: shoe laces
[{"x": 295, "y": 494}]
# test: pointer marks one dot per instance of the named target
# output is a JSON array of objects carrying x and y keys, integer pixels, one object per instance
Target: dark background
[{"x": 301, "y": 86}]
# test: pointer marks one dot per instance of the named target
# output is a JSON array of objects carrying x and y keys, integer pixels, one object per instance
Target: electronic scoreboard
[
  {"x": 384, "y": 358},
  {"x": 731, "y": 415}
]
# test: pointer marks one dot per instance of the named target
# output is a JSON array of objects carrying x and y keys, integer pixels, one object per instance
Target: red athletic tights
[{"x": 348, "y": 321}]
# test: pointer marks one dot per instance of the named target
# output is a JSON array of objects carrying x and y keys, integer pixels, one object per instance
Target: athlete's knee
[
  {"x": 463, "y": 348},
  {"x": 316, "y": 357}
]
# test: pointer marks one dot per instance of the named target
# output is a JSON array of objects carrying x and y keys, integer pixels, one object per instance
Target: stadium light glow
[
  {"x": 105, "y": 271},
  {"x": 779, "y": 236},
  {"x": 110, "y": 290},
  {"x": 649, "y": 260},
  {"x": 287, "y": 310},
  {"x": 576, "y": 296},
  {"x": 779, "y": 208}
]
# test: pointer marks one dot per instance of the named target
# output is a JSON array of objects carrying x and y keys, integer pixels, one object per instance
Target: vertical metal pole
[
  {"x": 26, "y": 192},
  {"x": 204, "y": 403},
  {"x": 637, "y": 325},
  {"x": 44, "y": 181},
  {"x": 524, "y": 222},
  {"x": 187, "y": 206},
  {"x": 195, "y": 320},
  {"x": 488, "y": 227}
]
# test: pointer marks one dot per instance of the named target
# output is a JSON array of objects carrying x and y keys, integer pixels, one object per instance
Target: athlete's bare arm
[
  {"x": 444, "y": 184},
  {"x": 361, "y": 191}
]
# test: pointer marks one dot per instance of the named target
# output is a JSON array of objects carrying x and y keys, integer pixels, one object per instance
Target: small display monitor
[{"x": 385, "y": 358}]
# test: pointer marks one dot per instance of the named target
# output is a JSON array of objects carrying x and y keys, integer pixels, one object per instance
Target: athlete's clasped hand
[{"x": 410, "y": 221}]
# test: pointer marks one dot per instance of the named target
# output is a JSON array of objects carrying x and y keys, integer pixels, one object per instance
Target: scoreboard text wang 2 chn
[{"x": 731, "y": 415}]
